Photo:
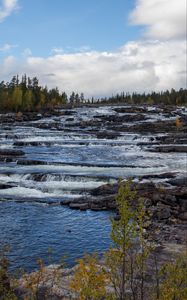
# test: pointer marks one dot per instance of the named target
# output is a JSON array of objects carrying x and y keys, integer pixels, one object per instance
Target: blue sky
[
  {"x": 95, "y": 46},
  {"x": 42, "y": 25}
]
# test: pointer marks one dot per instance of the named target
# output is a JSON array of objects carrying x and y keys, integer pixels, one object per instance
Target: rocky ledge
[{"x": 167, "y": 202}]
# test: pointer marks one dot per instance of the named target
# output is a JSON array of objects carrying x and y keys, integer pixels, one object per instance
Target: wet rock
[
  {"x": 96, "y": 207},
  {"x": 11, "y": 152},
  {"x": 5, "y": 186},
  {"x": 132, "y": 109},
  {"x": 181, "y": 181},
  {"x": 69, "y": 112},
  {"x": 70, "y": 119},
  {"x": 107, "y": 135},
  {"x": 160, "y": 176},
  {"x": 31, "y": 162},
  {"x": 80, "y": 206},
  {"x": 106, "y": 189},
  {"x": 167, "y": 149}
]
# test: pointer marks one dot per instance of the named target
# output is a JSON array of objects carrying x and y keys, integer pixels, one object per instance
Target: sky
[{"x": 99, "y": 47}]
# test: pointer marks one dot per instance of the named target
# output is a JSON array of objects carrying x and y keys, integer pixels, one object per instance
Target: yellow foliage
[
  {"x": 174, "y": 283},
  {"x": 89, "y": 280},
  {"x": 178, "y": 123}
]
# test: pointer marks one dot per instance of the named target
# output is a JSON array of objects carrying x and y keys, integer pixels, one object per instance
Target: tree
[
  {"x": 126, "y": 261},
  {"x": 28, "y": 101},
  {"x": 17, "y": 98},
  {"x": 122, "y": 234},
  {"x": 72, "y": 98}
]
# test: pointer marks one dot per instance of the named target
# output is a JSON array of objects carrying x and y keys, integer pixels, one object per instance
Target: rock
[
  {"x": 96, "y": 207},
  {"x": 65, "y": 202},
  {"x": 181, "y": 181},
  {"x": 31, "y": 162},
  {"x": 169, "y": 200},
  {"x": 132, "y": 109},
  {"x": 11, "y": 152},
  {"x": 70, "y": 119},
  {"x": 163, "y": 213},
  {"x": 156, "y": 198},
  {"x": 5, "y": 186},
  {"x": 183, "y": 216},
  {"x": 183, "y": 204},
  {"x": 106, "y": 189},
  {"x": 107, "y": 135},
  {"x": 81, "y": 206},
  {"x": 160, "y": 176},
  {"x": 166, "y": 149}
]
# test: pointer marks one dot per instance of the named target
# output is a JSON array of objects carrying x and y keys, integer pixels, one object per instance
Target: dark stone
[
  {"x": 31, "y": 162},
  {"x": 183, "y": 203},
  {"x": 81, "y": 206},
  {"x": 167, "y": 149},
  {"x": 11, "y": 152},
  {"x": 183, "y": 216},
  {"x": 182, "y": 181},
  {"x": 5, "y": 186},
  {"x": 163, "y": 213},
  {"x": 106, "y": 189}
]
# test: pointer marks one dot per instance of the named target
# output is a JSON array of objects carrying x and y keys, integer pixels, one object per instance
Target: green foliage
[
  {"x": 167, "y": 97},
  {"x": 27, "y": 95}
]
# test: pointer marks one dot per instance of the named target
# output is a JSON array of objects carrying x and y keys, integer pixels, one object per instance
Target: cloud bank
[
  {"x": 6, "y": 8},
  {"x": 137, "y": 66}
]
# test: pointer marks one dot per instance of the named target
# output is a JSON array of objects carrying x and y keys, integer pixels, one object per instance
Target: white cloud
[
  {"x": 68, "y": 49},
  {"x": 57, "y": 50},
  {"x": 165, "y": 19},
  {"x": 137, "y": 66},
  {"x": 7, "y": 47},
  {"x": 7, "y": 7},
  {"x": 27, "y": 52}
]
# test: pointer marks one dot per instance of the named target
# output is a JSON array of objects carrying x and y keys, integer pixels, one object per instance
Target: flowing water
[{"x": 71, "y": 161}]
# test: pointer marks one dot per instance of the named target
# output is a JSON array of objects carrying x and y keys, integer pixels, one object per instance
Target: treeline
[
  {"x": 27, "y": 95},
  {"x": 172, "y": 97}
]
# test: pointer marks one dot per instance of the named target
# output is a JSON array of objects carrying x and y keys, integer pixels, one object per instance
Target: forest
[{"x": 26, "y": 95}]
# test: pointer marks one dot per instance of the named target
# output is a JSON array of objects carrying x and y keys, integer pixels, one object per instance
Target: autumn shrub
[
  {"x": 173, "y": 275},
  {"x": 6, "y": 291},
  {"x": 89, "y": 281}
]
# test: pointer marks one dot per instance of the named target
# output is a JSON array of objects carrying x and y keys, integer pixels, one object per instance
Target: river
[{"x": 65, "y": 158}]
